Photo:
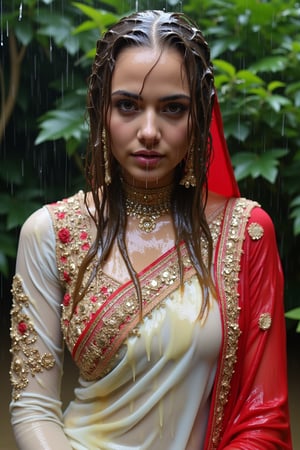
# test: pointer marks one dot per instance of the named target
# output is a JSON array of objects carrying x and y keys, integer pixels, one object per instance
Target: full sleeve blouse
[{"x": 36, "y": 332}]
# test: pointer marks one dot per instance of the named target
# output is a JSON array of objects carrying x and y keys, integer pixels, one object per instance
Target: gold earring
[
  {"x": 189, "y": 178},
  {"x": 107, "y": 176}
]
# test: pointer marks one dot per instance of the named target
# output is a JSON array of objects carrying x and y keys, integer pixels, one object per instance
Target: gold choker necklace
[{"x": 147, "y": 205}]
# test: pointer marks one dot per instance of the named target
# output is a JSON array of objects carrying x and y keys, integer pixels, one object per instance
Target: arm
[
  {"x": 37, "y": 349},
  {"x": 258, "y": 410}
]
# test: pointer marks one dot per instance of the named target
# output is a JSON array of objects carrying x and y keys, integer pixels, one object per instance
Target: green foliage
[
  {"x": 255, "y": 46},
  {"x": 295, "y": 315}
]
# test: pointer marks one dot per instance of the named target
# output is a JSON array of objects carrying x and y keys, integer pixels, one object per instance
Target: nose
[{"x": 149, "y": 130}]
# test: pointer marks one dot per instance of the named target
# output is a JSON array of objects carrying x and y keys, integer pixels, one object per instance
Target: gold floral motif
[
  {"x": 265, "y": 321},
  {"x": 232, "y": 238},
  {"x": 255, "y": 231},
  {"x": 26, "y": 359},
  {"x": 103, "y": 325}
]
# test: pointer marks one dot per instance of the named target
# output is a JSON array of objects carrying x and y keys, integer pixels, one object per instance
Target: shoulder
[
  {"x": 36, "y": 225},
  {"x": 40, "y": 223},
  {"x": 260, "y": 226},
  {"x": 257, "y": 233},
  {"x": 71, "y": 204},
  {"x": 251, "y": 211},
  {"x": 252, "y": 223}
]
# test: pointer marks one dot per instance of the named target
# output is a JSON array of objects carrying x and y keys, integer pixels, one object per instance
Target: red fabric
[
  {"x": 221, "y": 178},
  {"x": 256, "y": 415}
]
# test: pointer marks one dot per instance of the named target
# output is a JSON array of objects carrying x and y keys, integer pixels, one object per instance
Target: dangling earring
[
  {"x": 107, "y": 177},
  {"x": 189, "y": 178}
]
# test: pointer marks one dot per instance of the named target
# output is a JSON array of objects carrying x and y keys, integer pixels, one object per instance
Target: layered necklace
[{"x": 147, "y": 205}]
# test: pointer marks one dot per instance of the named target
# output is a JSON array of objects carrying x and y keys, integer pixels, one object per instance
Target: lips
[{"x": 147, "y": 158}]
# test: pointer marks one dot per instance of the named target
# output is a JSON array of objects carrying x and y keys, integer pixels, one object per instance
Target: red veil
[{"x": 221, "y": 179}]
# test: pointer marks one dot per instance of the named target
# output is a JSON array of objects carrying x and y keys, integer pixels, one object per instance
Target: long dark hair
[{"x": 153, "y": 29}]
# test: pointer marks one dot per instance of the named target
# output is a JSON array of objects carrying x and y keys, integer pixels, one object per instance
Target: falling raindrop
[
  {"x": 1, "y": 25},
  {"x": 20, "y": 11},
  {"x": 283, "y": 125},
  {"x": 50, "y": 49}
]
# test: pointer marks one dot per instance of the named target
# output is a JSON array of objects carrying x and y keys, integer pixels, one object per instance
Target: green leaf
[
  {"x": 275, "y": 85},
  {"x": 240, "y": 131},
  {"x": 101, "y": 18},
  {"x": 60, "y": 124},
  {"x": 293, "y": 314},
  {"x": 256, "y": 165},
  {"x": 270, "y": 64},
  {"x": 296, "y": 201},
  {"x": 224, "y": 66},
  {"x": 277, "y": 101},
  {"x": 248, "y": 78},
  {"x": 56, "y": 27},
  {"x": 295, "y": 214},
  {"x": 85, "y": 26},
  {"x": 24, "y": 31}
]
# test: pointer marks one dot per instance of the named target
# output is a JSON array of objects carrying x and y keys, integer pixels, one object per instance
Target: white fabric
[
  {"x": 158, "y": 395},
  {"x": 153, "y": 397}
]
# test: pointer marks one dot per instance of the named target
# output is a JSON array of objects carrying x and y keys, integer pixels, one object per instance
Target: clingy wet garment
[{"x": 171, "y": 381}]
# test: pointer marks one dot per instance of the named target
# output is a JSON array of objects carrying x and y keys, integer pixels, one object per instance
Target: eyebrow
[{"x": 137, "y": 97}]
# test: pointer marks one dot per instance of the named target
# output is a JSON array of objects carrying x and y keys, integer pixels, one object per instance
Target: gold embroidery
[
  {"x": 255, "y": 231},
  {"x": 26, "y": 359},
  {"x": 100, "y": 343},
  {"x": 103, "y": 325},
  {"x": 265, "y": 321},
  {"x": 232, "y": 237}
]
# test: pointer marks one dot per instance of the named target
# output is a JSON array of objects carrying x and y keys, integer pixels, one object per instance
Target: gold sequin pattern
[
  {"x": 232, "y": 238},
  {"x": 255, "y": 231},
  {"x": 265, "y": 321},
  {"x": 26, "y": 358}
]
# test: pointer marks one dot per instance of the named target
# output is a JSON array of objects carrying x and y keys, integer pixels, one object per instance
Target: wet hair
[{"x": 157, "y": 30}]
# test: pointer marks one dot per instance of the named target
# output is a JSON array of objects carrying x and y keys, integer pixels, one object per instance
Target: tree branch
[{"x": 8, "y": 103}]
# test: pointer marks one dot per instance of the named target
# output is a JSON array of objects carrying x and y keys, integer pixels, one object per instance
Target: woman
[{"x": 165, "y": 285}]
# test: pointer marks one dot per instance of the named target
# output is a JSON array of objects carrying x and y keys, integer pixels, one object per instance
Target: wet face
[{"x": 148, "y": 120}]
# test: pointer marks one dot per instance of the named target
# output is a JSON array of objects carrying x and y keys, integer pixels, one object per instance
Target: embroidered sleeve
[
  {"x": 37, "y": 349},
  {"x": 257, "y": 409},
  {"x": 26, "y": 358},
  {"x": 36, "y": 344}
]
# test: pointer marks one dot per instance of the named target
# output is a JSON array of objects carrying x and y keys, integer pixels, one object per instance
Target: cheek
[
  {"x": 116, "y": 134},
  {"x": 179, "y": 135},
  {"x": 119, "y": 131}
]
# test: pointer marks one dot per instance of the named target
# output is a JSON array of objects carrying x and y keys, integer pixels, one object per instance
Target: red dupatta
[
  {"x": 249, "y": 407},
  {"x": 221, "y": 178}
]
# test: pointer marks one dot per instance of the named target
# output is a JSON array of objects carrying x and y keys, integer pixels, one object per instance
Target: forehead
[{"x": 141, "y": 67}]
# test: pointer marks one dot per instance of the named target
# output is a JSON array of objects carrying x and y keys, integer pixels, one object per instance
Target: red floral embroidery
[
  {"x": 60, "y": 215},
  {"x": 83, "y": 235},
  {"x": 64, "y": 235},
  {"x": 63, "y": 259},
  {"x": 93, "y": 298},
  {"x": 22, "y": 327},
  {"x": 67, "y": 277},
  {"x": 67, "y": 298},
  {"x": 85, "y": 246},
  {"x": 104, "y": 290}
]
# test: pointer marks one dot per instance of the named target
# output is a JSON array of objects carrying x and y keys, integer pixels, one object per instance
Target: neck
[{"x": 147, "y": 205}]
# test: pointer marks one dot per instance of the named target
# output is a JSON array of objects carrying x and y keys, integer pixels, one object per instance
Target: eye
[
  {"x": 175, "y": 108},
  {"x": 127, "y": 106}
]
